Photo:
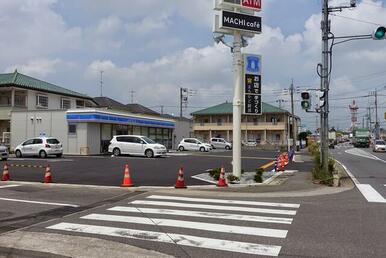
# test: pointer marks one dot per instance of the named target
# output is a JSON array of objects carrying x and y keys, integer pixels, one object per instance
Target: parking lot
[{"x": 108, "y": 170}]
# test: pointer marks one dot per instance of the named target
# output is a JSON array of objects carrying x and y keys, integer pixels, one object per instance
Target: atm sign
[{"x": 254, "y": 4}]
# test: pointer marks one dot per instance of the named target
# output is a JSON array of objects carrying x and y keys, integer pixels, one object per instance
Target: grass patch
[{"x": 318, "y": 175}]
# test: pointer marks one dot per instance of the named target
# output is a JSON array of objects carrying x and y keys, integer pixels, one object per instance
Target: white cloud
[
  {"x": 31, "y": 30},
  {"x": 37, "y": 67}
]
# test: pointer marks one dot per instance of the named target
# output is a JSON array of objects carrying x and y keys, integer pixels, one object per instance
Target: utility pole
[
  {"x": 132, "y": 96},
  {"x": 325, "y": 87},
  {"x": 376, "y": 115},
  {"x": 162, "y": 109},
  {"x": 293, "y": 116},
  {"x": 180, "y": 102},
  {"x": 101, "y": 82},
  {"x": 237, "y": 103}
]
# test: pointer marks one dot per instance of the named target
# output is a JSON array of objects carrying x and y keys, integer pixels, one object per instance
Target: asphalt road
[
  {"x": 339, "y": 225},
  {"x": 367, "y": 168},
  {"x": 108, "y": 171},
  {"x": 103, "y": 221}
]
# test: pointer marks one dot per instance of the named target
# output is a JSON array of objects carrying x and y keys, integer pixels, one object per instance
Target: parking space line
[
  {"x": 222, "y": 156},
  {"x": 178, "y": 239},
  {"x": 253, "y": 231},
  {"x": 36, "y": 202},
  {"x": 8, "y": 186}
]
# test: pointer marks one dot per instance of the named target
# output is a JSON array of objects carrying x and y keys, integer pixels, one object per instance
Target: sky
[{"x": 149, "y": 49}]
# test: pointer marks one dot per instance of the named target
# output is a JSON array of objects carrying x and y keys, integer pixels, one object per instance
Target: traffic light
[
  {"x": 322, "y": 100},
  {"x": 379, "y": 33},
  {"x": 306, "y": 100}
]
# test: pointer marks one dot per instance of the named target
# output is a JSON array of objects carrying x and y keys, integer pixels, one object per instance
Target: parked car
[
  {"x": 249, "y": 143},
  {"x": 39, "y": 146},
  {"x": 193, "y": 145},
  {"x": 4, "y": 152},
  {"x": 136, "y": 145},
  {"x": 220, "y": 143},
  {"x": 379, "y": 145}
]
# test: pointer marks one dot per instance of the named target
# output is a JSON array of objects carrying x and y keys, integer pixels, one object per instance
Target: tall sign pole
[
  {"x": 237, "y": 18},
  {"x": 237, "y": 103}
]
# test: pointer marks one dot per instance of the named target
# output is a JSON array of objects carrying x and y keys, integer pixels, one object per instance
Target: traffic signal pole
[
  {"x": 237, "y": 104},
  {"x": 325, "y": 87}
]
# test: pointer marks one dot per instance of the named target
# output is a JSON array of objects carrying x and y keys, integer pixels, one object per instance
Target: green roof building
[
  {"x": 19, "y": 92},
  {"x": 272, "y": 128}
]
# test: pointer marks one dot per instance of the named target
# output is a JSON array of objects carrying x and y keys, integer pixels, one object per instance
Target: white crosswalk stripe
[
  {"x": 188, "y": 199},
  {"x": 204, "y": 214},
  {"x": 224, "y": 219},
  {"x": 370, "y": 193},
  {"x": 186, "y": 240}
]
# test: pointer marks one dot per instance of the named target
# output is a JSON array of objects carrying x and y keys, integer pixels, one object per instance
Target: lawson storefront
[
  {"x": 101, "y": 125},
  {"x": 87, "y": 131}
]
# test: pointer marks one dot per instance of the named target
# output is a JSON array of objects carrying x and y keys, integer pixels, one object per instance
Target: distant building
[{"x": 273, "y": 127}]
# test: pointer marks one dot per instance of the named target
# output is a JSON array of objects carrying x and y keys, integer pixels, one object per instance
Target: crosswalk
[{"x": 213, "y": 224}]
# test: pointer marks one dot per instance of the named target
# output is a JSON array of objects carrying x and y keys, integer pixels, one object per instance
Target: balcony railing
[{"x": 244, "y": 126}]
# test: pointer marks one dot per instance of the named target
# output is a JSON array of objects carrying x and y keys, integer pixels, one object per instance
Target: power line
[{"x": 357, "y": 20}]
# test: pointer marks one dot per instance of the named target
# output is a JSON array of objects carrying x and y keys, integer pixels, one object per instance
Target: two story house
[
  {"x": 274, "y": 127},
  {"x": 19, "y": 92}
]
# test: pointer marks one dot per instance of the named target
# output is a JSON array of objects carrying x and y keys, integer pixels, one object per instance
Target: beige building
[{"x": 273, "y": 127}]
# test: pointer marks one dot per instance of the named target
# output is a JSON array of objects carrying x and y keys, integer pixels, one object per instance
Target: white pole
[{"x": 237, "y": 104}]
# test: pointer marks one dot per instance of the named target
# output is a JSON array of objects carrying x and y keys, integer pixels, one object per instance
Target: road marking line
[
  {"x": 46, "y": 203},
  {"x": 269, "y": 164},
  {"x": 254, "y": 231},
  {"x": 8, "y": 186},
  {"x": 188, "y": 199},
  {"x": 204, "y": 214},
  {"x": 184, "y": 240},
  {"x": 370, "y": 193},
  {"x": 353, "y": 178},
  {"x": 217, "y": 207}
]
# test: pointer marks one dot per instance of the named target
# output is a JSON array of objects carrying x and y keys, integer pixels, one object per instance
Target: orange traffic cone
[
  {"x": 47, "y": 175},
  {"x": 286, "y": 160},
  {"x": 180, "y": 179},
  {"x": 221, "y": 181},
  {"x": 5, "y": 176},
  {"x": 126, "y": 178},
  {"x": 280, "y": 163}
]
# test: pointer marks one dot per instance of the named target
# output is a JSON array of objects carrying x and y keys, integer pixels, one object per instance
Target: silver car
[
  {"x": 39, "y": 146},
  {"x": 220, "y": 143},
  {"x": 4, "y": 152}
]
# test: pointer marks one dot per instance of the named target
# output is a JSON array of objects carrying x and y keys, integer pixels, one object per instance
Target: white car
[
  {"x": 39, "y": 146},
  {"x": 136, "y": 145},
  {"x": 220, "y": 143},
  {"x": 193, "y": 144},
  {"x": 379, "y": 145}
]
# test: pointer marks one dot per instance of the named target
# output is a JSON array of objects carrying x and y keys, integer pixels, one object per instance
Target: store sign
[
  {"x": 254, "y": 5},
  {"x": 252, "y": 104},
  {"x": 238, "y": 21},
  {"x": 252, "y": 85}
]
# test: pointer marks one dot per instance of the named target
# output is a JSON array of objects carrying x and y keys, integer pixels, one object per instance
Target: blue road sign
[{"x": 252, "y": 64}]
